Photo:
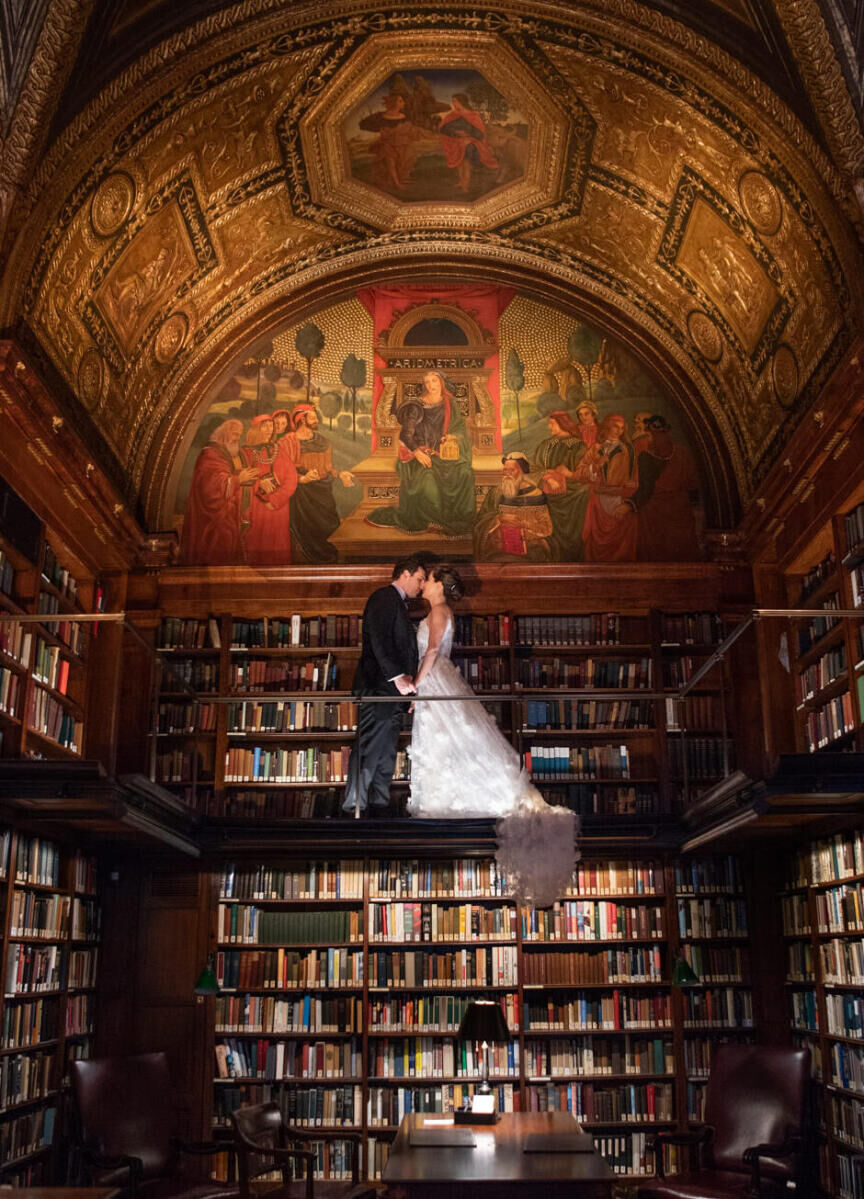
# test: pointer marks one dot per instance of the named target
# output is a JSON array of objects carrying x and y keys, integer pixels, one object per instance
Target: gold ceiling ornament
[
  {"x": 784, "y": 375},
  {"x": 705, "y": 335},
  {"x": 92, "y": 378},
  {"x": 761, "y": 202},
  {"x": 170, "y": 337},
  {"x": 112, "y": 204}
]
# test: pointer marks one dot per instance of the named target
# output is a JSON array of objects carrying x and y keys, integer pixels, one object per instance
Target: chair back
[
  {"x": 756, "y": 1096},
  {"x": 259, "y": 1128},
  {"x": 124, "y": 1108}
]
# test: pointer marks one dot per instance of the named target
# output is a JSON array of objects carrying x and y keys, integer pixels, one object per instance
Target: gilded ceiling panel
[{"x": 209, "y": 198}]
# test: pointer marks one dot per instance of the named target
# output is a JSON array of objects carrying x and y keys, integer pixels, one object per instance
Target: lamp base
[{"x": 475, "y": 1117}]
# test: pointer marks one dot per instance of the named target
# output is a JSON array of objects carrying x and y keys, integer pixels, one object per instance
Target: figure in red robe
[
  {"x": 667, "y": 499},
  {"x": 463, "y": 139},
  {"x": 610, "y": 468},
  {"x": 211, "y": 526},
  {"x": 265, "y": 505}
]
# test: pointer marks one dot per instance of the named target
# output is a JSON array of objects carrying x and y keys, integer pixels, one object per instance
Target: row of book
[
  {"x": 29, "y": 1023},
  {"x": 80, "y": 1013},
  {"x": 177, "y": 633},
  {"x": 828, "y": 722},
  {"x": 588, "y": 714},
  {"x": 83, "y": 964},
  {"x": 283, "y": 969},
  {"x": 181, "y": 765},
  {"x": 15, "y": 641},
  {"x": 70, "y": 632},
  {"x": 589, "y": 800},
  {"x": 845, "y": 1015},
  {"x": 26, "y": 1134},
  {"x": 834, "y": 859},
  {"x": 596, "y": 1055},
  {"x": 201, "y": 674},
  {"x": 484, "y": 966},
  {"x": 594, "y": 628},
  {"x": 847, "y": 1067},
  {"x": 58, "y": 575},
  {"x": 635, "y": 964},
  {"x": 700, "y": 758},
  {"x": 37, "y": 861},
  {"x": 7, "y": 574},
  {"x": 51, "y": 666},
  {"x": 306, "y": 1014},
  {"x": 432, "y": 1013},
  {"x": 484, "y": 673},
  {"x": 549, "y": 763},
  {"x": 310, "y": 764},
  {"x": 316, "y": 880},
  {"x": 331, "y": 1158},
  {"x": 853, "y": 523},
  {"x": 5, "y": 846},
  {"x": 592, "y": 920},
  {"x": 11, "y": 691},
  {"x": 856, "y": 578},
  {"x": 84, "y": 872},
  {"x": 604, "y": 673},
  {"x": 720, "y": 873},
  {"x": 796, "y": 915},
  {"x": 86, "y": 919},
  {"x": 851, "y": 1171},
  {"x": 694, "y": 713},
  {"x": 843, "y": 962},
  {"x": 426, "y": 1057},
  {"x": 680, "y": 670},
  {"x": 34, "y": 968},
  {"x": 800, "y": 962},
  {"x": 387, "y": 1106},
  {"x": 280, "y": 1060},
  {"x": 296, "y": 631},
  {"x": 841, "y": 909},
  {"x": 729, "y": 1007},
  {"x": 270, "y": 674},
  {"x": 185, "y": 718},
  {"x": 699, "y": 1052},
  {"x": 481, "y": 630},
  {"x": 813, "y": 579},
  {"x": 302, "y": 804},
  {"x": 293, "y": 716},
  {"x": 244, "y": 924},
  {"x": 820, "y": 674},
  {"x": 715, "y": 916},
  {"x": 805, "y": 1012},
  {"x": 316, "y": 1107},
  {"x": 820, "y": 625},
  {"x": 428, "y": 921},
  {"x": 587, "y": 1011},
  {"x": 48, "y": 716},
  {"x": 40, "y": 916},
  {"x": 690, "y": 628},
  {"x": 24, "y": 1077},
  {"x": 415, "y": 879},
  {"x": 846, "y": 1120},
  {"x": 628, "y": 1103},
  {"x": 717, "y": 963}
]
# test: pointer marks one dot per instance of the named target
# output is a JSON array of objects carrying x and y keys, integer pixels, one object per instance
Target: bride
[{"x": 462, "y": 766}]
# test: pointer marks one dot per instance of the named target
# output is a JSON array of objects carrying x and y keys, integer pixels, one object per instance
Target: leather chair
[
  {"x": 754, "y": 1141},
  {"x": 123, "y": 1115},
  {"x": 265, "y": 1144}
]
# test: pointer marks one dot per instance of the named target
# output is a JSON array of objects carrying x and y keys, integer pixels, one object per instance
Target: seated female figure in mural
[
  {"x": 436, "y": 478},
  {"x": 557, "y": 459},
  {"x": 265, "y": 506}
]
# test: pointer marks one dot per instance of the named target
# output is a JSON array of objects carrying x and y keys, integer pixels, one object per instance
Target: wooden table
[{"x": 497, "y": 1165}]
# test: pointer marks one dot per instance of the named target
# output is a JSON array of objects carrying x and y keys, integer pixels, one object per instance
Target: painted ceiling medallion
[
  {"x": 761, "y": 202},
  {"x": 784, "y": 375},
  {"x": 92, "y": 378},
  {"x": 112, "y": 204},
  {"x": 705, "y": 335},
  {"x": 431, "y": 130},
  {"x": 170, "y": 338}
]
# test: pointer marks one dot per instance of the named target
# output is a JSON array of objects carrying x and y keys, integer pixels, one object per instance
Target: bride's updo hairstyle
[{"x": 454, "y": 588}]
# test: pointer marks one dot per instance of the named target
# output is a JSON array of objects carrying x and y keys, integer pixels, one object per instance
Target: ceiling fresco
[{"x": 237, "y": 182}]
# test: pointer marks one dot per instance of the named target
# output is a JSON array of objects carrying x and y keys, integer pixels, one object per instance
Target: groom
[{"x": 388, "y": 663}]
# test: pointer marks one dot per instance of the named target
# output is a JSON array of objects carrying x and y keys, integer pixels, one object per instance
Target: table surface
[{"x": 497, "y": 1156}]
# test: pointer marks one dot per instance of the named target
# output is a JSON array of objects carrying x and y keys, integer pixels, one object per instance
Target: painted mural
[
  {"x": 436, "y": 135},
  {"x": 470, "y": 421}
]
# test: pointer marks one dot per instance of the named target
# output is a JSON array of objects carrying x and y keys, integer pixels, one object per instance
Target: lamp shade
[
  {"x": 684, "y": 974},
  {"x": 208, "y": 983},
  {"x": 483, "y": 1021}
]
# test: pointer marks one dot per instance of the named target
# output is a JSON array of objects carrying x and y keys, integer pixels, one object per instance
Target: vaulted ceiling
[{"x": 680, "y": 187}]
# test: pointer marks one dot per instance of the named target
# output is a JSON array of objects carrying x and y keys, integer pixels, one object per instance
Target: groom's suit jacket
[{"x": 389, "y": 643}]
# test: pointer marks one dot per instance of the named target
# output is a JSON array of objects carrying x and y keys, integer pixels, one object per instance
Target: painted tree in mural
[
  {"x": 330, "y": 403},
  {"x": 353, "y": 375},
  {"x": 514, "y": 377},
  {"x": 584, "y": 347},
  {"x": 309, "y": 344}
]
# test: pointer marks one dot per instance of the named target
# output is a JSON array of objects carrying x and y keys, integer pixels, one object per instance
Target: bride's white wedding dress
[{"x": 462, "y": 766}]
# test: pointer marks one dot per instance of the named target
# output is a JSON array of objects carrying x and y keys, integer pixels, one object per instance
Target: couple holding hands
[{"x": 462, "y": 767}]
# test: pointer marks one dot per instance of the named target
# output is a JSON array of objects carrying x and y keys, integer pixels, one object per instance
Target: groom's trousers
[{"x": 373, "y": 756}]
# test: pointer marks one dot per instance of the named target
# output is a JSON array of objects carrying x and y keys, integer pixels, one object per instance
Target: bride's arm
[{"x": 437, "y": 622}]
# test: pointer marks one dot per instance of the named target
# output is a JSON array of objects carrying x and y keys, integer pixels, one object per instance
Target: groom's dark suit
[{"x": 389, "y": 649}]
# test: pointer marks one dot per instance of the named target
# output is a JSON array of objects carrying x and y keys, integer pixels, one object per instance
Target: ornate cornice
[{"x": 808, "y": 35}]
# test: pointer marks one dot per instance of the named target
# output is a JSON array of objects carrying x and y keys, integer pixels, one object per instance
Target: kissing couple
[{"x": 462, "y": 767}]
